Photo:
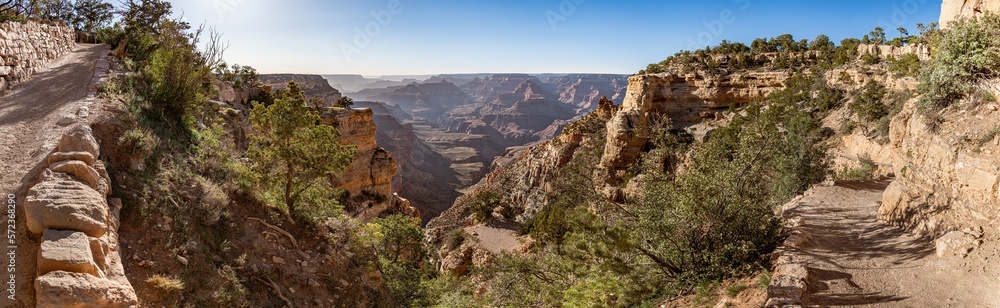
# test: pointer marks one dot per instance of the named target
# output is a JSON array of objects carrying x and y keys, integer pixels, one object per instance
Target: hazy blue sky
[{"x": 530, "y": 36}]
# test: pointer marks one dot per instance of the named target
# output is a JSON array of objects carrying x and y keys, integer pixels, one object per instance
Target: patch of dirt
[
  {"x": 856, "y": 260},
  {"x": 744, "y": 292},
  {"x": 495, "y": 238}
]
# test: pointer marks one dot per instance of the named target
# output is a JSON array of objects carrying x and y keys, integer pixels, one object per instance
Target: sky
[{"x": 424, "y": 37}]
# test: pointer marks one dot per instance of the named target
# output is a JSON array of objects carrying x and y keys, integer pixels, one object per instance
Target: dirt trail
[
  {"x": 29, "y": 113},
  {"x": 33, "y": 116},
  {"x": 856, "y": 260}
]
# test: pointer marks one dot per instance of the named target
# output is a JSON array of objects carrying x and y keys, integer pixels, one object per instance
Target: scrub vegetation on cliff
[{"x": 217, "y": 179}]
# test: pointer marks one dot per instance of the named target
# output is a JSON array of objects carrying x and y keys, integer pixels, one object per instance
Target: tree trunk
[{"x": 289, "y": 201}]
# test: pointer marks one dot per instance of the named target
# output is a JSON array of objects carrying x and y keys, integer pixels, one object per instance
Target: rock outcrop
[
  {"x": 923, "y": 52},
  {"x": 314, "y": 86},
  {"x": 947, "y": 173},
  {"x": 78, "y": 261},
  {"x": 685, "y": 99},
  {"x": 955, "y": 9},
  {"x": 368, "y": 179},
  {"x": 27, "y": 47}
]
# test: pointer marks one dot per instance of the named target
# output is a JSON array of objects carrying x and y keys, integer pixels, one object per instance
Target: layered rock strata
[{"x": 78, "y": 262}]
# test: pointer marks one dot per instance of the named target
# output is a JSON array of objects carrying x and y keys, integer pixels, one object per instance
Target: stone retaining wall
[
  {"x": 28, "y": 47},
  {"x": 78, "y": 262}
]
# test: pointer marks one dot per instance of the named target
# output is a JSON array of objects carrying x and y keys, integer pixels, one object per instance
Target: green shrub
[
  {"x": 138, "y": 142},
  {"x": 966, "y": 53},
  {"x": 864, "y": 171},
  {"x": 483, "y": 205},
  {"x": 868, "y": 105},
  {"x": 293, "y": 157},
  {"x": 907, "y": 65}
]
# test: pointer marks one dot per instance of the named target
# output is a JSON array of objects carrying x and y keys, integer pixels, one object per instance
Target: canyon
[{"x": 446, "y": 132}]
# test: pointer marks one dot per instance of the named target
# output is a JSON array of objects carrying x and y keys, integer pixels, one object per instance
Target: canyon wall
[
  {"x": 923, "y": 52},
  {"x": 955, "y": 9},
  {"x": 314, "y": 86},
  {"x": 78, "y": 260},
  {"x": 27, "y": 47}
]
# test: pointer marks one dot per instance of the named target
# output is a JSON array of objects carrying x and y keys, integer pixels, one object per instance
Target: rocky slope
[{"x": 947, "y": 173}]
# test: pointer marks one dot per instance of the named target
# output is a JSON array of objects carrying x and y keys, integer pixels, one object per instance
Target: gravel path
[{"x": 856, "y": 260}]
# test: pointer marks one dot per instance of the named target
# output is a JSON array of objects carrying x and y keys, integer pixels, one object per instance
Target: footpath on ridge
[
  {"x": 35, "y": 114},
  {"x": 853, "y": 259}
]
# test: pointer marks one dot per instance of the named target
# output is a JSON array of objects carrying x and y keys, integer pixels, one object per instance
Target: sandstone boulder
[
  {"x": 79, "y": 139},
  {"x": 63, "y": 203},
  {"x": 75, "y": 290},
  {"x": 80, "y": 170},
  {"x": 956, "y": 243},
  {"x": 85, "y": 157},
  {"x": 952, "y": 10},
  {"x": 66, "y": 251}
]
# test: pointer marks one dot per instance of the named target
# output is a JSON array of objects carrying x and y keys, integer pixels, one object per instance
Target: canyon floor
[{"x": 856, "y": 260}]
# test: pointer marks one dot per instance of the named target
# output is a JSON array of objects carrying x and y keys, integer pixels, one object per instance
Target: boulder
[
  {"x": 79, "y": 139},
  {"x": 76, "y": 290},
  {"x": 956, "y": 243},
  {"x": 85, "y": 157},
  {"x": 66, "y": 251},
  {"x": 63, "y": 203},
  {"x": 80, "y": 170}
]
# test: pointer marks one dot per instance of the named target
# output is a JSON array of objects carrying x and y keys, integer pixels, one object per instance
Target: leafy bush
[
  {"x": 483, "y": 205},
  {"x": 398, "y": 241},
  {"x": 906, "y": 65},
  {"x": 966, "y": 53},
  {"x": 864, "y": 171},
  {"x": 868, "y": 105}
]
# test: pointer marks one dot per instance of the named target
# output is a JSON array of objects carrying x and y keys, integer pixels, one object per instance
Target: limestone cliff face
[
  {"x": 686, "y": 99},
  {"x": 372, "y": 171},
  {"x": 947, "y": 174},
  {"x": 885, "y": 51},
  {"x": 955, "y": 9},
  {"x": 30, "y": 46}
]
